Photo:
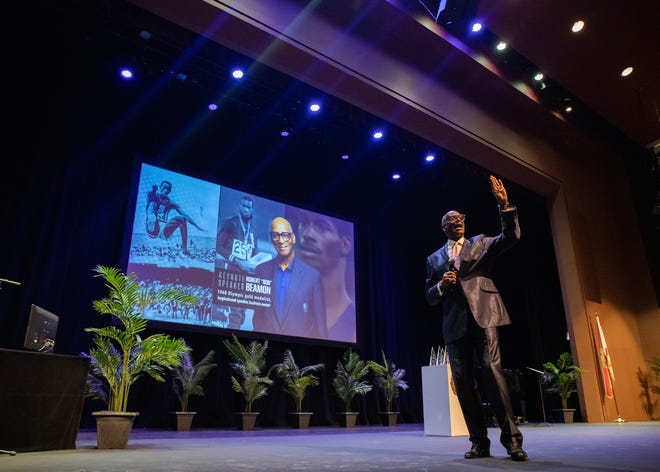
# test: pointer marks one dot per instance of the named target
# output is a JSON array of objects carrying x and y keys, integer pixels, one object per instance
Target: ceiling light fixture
[
  {"x": 429, "y": 158},
  {"x": 501, "y": 46},
  {"x": 476, "y": 27},
  {"x": 237, "y": 73},
  {"x": 538, "y": 77},
  {"x": 577, "y": 26}
]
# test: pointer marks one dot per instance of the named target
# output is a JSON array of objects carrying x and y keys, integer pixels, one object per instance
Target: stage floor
[{"x": 588, "y": 447}]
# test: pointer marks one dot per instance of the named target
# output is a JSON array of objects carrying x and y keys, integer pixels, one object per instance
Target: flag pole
[
  {"x": 618, "y": 416},
  {"x": 594, "y": 346},
  {"x": 604, "y": 356}
]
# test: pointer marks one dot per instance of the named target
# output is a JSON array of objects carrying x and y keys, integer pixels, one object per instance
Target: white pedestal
[{"x": 442, "y": 412}]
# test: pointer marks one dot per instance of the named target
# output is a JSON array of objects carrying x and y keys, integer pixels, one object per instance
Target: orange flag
[{"x": 605, "y": 362}]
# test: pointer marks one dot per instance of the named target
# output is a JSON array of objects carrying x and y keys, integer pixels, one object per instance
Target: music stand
[{"x": 538, "y": 378}]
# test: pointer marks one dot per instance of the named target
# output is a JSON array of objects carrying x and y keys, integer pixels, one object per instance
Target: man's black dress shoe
[
  {"x": 477, "y": 451},
  {"x": 517, "y": 453}
]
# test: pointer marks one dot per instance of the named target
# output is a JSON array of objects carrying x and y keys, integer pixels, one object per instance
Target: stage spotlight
[
  {"x": 126, "y": 73},
  {"x": 451, "y": 12},
  {"x": 538, "y": 77},
  {"x": 476, "y": 27},
  {"x": 429, "y": 158},
  {"x": 314, "y": 107},
  {"x": 501, "y": 46},
  {"x": 237, "y": 73},
  {"x": 577, "y": 26},
  {"x": 626, "y": 72},
  {"x": 378, "y": 134},
  {"x": 213, "y": 107},
  {"x": 396, "y": 176}
]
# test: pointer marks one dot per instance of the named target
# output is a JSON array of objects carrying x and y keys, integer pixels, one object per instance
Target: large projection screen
[{"x": 227, "y": 247}]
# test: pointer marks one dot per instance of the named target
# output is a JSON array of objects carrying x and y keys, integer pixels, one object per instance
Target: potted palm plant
[
  {"x": 655, "y": 367},
  {"x": 390, "y": 381},
  {"x": 296, "y": 382},
  {"x": 562, "y": 378},
  {"x": 120, "y": 356},
  {"x": 349, "y": 381},
  {"x": 187, "y": 381},
  {"x": 649, "y": 384},
  {"x": 248, "y": 363}
]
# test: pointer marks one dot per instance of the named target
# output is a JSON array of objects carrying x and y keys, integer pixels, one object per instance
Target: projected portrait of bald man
[{"x": 296, "y": 307}]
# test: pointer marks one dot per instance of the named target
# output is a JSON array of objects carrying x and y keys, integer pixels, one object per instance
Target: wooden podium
[
  {"x": 41, "y": 400},
  {"x": 442, "y": 412}
]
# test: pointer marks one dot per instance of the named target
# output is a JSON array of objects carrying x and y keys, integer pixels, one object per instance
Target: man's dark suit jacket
[
  {"x": 303, "y": 313},
  {"x": 476, "y": 288}
]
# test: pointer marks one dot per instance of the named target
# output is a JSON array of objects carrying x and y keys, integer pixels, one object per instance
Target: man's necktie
[{"x": 454, "y": 254}]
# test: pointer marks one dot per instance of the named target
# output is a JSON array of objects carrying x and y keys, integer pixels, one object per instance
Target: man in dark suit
[
  {"x": 458, "y": 277},
  {"x": 296, "y": 306}
]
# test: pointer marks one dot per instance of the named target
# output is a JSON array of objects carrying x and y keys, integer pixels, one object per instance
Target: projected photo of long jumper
[{"x": 256, "y": 265}]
